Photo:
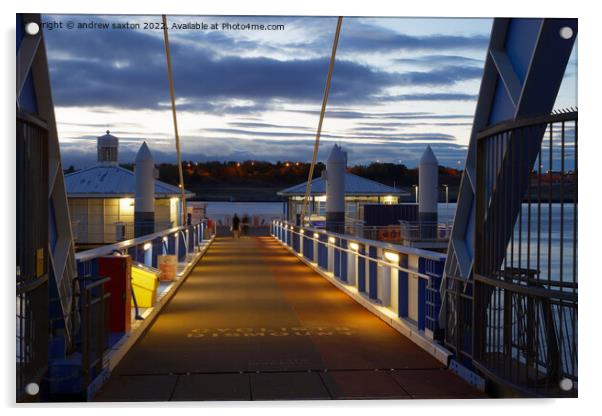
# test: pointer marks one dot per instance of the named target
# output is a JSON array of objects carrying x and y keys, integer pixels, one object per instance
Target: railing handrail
[
  {"x": 418, "y": 223},
  {"x": 527, "y": 122},
  {"x": 432, "y": 255},
  {"x": 122, "y": 245}
]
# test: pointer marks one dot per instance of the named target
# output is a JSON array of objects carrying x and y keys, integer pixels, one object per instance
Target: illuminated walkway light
[{"x": 392, "y": 257}]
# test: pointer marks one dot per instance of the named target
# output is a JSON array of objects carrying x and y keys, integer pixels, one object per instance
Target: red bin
[{"x": 119, "y": 269}]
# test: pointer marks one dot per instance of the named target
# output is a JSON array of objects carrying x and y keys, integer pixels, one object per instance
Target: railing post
[
  {"x": 176, "y": 245},
  {"x": 148, "y": 253},
  {"x": 387, "y": 285},
  {"x": 330, "y": 256},
  {"x": 164, "y": 245},
  {"x": 182, "y": 249}
]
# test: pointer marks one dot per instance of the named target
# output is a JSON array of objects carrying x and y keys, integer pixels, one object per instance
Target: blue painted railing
[
  {"x": 405, "y": 280},
  {"x": 180, "y": 241}
]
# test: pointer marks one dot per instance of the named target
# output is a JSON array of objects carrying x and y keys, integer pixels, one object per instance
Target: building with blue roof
[
  {"x": 359, "y": 191},
  {"x": 101, "y": 199}
]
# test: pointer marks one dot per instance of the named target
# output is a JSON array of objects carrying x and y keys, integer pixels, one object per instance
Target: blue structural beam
[
  {"x": 337, "y": 259},
  {"x": 361, "y": 269},
  {"x": 403, "y": 287},
  {"x": 372, "y": 273},
  {"x": 308, "y": 248},
  {"x": 323, "y": 252},
  {"x": 344, "y": 244}
]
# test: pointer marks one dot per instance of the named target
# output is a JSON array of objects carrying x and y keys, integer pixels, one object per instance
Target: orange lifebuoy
[{"x": 391, "y": 233}]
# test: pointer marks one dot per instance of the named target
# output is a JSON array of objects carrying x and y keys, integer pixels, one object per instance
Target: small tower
[
  {"x": 107, "y": 149},
  {"x": 144, "y": 204},
  {"x": 428, "y": 193},
  {"x": 335, "y": 189}
]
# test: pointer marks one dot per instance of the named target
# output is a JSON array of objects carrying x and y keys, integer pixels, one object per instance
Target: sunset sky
[{"x": 398, "y": 84}]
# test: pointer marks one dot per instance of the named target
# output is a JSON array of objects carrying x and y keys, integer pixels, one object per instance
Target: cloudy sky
[{"x": 398, "y": 84}]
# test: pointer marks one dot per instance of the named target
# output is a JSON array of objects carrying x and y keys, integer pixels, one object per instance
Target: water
[
  {"x": 221, "y": 210},
  {"x": 242, "y": 208}
]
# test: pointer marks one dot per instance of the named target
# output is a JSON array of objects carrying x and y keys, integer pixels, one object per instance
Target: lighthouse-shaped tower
[
  {"x": 144, "y": 205},
  {"x": 335, "y": 189},
  {"x": 428, "y": 193}
]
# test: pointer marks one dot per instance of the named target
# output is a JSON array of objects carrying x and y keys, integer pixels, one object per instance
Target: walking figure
[{"x": 235, "y": 226}]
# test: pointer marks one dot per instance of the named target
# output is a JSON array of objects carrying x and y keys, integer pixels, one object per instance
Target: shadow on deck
[{"x": 254, "y": 323}]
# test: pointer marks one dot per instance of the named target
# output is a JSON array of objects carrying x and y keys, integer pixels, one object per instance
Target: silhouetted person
[{"x": 235, "y": 226}]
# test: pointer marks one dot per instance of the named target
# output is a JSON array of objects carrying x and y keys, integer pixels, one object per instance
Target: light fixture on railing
[
  {"x": 165, "y": 239},
  {"x": 331, "y": 240},
  {"x": 316, "y": 235},
  {"x": 147, "y": 246},
  {"x": 392, "y": 257},
  {"x": 354, "y": 246},
  {"x": 301, "y": 231}
]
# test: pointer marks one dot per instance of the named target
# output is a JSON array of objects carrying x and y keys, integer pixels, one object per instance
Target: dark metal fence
[
  {"x": 32, "y": 253},
  {"x": 94, "y": 335},
  {"x": 525, "y": 270},
  {"x": 459, "y": 318}
]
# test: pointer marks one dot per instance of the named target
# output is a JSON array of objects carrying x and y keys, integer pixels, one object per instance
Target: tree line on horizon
[
  {"x": 200, "y": 176},
  {"x": 291, "y": 173}
]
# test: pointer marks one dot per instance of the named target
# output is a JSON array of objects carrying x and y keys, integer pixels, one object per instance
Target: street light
[{"x": 446, "y": 203}]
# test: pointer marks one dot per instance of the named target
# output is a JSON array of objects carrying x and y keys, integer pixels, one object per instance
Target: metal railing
[
  {"x": 405, "y": 231},
  {"x": 180, "y": 241},
  {"x": 32, "y": 276},
  {"x": 404, "y": 280},
  {"x": 424, "y": 231},
  {"x": 94, "y": 330},
  {"x": 525, "y": 273}
]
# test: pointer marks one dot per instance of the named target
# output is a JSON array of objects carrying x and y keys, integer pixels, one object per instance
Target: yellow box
[{"x": 145, "y": 284}]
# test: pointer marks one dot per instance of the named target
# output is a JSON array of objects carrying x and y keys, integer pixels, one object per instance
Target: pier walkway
[{"x": 252, "y": 322}]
